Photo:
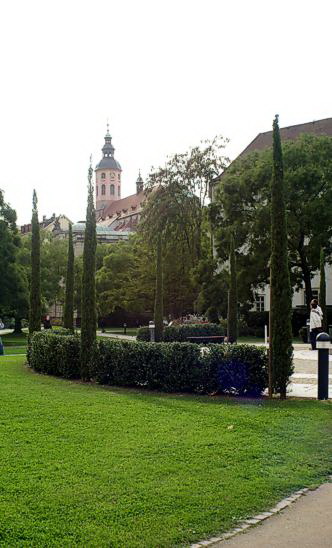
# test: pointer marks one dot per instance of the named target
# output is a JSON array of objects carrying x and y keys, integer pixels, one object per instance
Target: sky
[{"x": 166, "y": 74}]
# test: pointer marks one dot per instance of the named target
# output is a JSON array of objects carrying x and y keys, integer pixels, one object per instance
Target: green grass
[
  {"x": 14, "y": 344},
  {"x": 84, "y": 465},
  {"x": 11, "y": 339}
]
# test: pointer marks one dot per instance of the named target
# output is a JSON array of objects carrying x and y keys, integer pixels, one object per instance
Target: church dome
[{"x": 108, "y": 161}]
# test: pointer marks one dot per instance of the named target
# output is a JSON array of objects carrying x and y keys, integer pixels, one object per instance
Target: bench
[{"x": 205, "y": 339}]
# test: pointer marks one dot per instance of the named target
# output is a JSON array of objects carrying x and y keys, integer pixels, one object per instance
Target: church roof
[
  {"x": 132, "y": 202},
  {"x": 108, "y": 161}
]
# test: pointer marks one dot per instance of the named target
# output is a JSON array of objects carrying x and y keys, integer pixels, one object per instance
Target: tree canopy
[
  {"x": 13, "y": 286},
  {"x": 243, "y": 201}
]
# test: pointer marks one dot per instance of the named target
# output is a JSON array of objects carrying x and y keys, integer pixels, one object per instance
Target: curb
[{"x": 250, "y": 522}]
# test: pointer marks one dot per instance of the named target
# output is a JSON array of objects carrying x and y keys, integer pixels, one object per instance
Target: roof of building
[
  {"x": 264, "y": 140},
  {"x": 100, "y": 229},
  {"x": 108, "y": 161},
  {"x": 132, "y": 202}
]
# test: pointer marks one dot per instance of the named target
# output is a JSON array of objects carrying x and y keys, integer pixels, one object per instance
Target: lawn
[
  {"x": 84, "y": 465},
  {"x": 14, "y": 344}
]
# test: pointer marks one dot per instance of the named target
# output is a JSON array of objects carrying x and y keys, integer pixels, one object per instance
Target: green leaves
[
  {"x": 169, "y": 367},
  {"x": 35, "y": 295},
  {"x": 243, "y": 201}
]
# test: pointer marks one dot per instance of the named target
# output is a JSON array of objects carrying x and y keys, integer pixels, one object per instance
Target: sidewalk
[
  {"x": 307, "y": 523},
  {"x": 116, "y": 336}
]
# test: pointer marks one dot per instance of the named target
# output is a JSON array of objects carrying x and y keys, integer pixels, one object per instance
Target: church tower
[{"x": 108, "y": 176}]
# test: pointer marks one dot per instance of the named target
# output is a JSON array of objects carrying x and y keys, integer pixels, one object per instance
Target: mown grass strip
[{"x": 84, "y": 465}]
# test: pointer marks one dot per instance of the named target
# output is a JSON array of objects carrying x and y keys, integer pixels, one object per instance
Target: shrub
[
  {"x": 168, "y": 367},
  {"x": 55, "y": 354},
  {"x": 181, "y": 332},
  {"x": 178, "y": 333},
  {"x": 143, "y": 334}
]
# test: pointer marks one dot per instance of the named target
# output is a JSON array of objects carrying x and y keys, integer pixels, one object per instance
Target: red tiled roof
[{"x": 135, "y": 200}]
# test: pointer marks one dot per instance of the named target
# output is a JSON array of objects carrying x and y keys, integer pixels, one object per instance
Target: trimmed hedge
[
  {"x": 55, "y": 354},
  {"x": 180, "y": 332},
  {"x": 168, "y": 367}
]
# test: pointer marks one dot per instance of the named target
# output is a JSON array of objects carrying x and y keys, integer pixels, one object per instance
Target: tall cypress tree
[
  {"x": 232, "y": 327},
  {"x": 322, "y": 290},
  {"x": 281, "y": 351},
  {"x": 88, "y": 306},
  {"x": 158, "y": 304},
  {"x": 68, "y": 316},
  {"x": 35, "y": 300}
]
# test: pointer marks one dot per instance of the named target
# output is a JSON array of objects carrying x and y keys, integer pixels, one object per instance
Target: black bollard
[{"x": 323, "y": 342}]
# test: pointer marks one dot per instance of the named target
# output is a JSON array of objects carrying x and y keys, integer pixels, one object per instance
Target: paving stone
[
  {"x": 252, "y": 521},
  {"x": 265, "y": 515}
]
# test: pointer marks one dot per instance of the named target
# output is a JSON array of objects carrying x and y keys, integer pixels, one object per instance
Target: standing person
[
  {"x": 47, "y": 323},
  {"x": 316, "y": 316}
]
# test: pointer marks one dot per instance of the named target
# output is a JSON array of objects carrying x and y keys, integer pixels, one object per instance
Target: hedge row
[
  {"x": 180, "y": 333},
  {"x": 169, "y": 367}
]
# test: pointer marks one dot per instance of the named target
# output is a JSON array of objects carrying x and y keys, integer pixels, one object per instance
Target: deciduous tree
[{"x": 243, "y": 202}]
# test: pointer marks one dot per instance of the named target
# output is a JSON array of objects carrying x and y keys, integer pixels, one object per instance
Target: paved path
[
  {"x": 117, "y": 336},
  {"x": 307, "y": 523}
]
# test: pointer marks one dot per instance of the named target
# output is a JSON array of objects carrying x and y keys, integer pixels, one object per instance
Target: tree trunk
[
  {"x": 158, "y": 304},
  {"x": 322, "y": 291},
  {"x": 306, "y": 272},
  {"x": 18, "y": 325},
  {"x": 232, "y": 326}
]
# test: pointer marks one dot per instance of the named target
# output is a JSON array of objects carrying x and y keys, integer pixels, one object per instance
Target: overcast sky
[{"x": 167, "y": 74}]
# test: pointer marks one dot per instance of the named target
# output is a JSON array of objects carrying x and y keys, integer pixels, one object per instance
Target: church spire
[
  {"x": 108, "y": 148},
  {"x": 139, "y": 183}
]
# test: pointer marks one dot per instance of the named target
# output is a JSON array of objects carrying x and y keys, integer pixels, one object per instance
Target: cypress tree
[
  {"x": 281, "y": 351},
  {"x": 68, "y": 316},
  {"x": 88, "y": 306},
  {"x": 158, "y": 303},
  {"x": 35, "y": 299},
  {"x": 232, "y": 296},
  {"x": 322, "y": 290}
]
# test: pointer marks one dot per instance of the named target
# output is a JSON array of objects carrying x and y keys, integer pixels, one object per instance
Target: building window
[
  {"x": 260, "y": 303},
  {"x": 112, "y": 175},
  {"x": 103, "y": 175},
  {"x": 103, "y": 190},
  {"x": 112, "y": 190},
  {"x": 118, "y": 176},
  {"x": 118, "y": 191},
  {"x": 96, "y": 191}
]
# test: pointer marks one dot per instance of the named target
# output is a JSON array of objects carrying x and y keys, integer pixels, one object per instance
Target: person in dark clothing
[{"x": 47, "y": 323}]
